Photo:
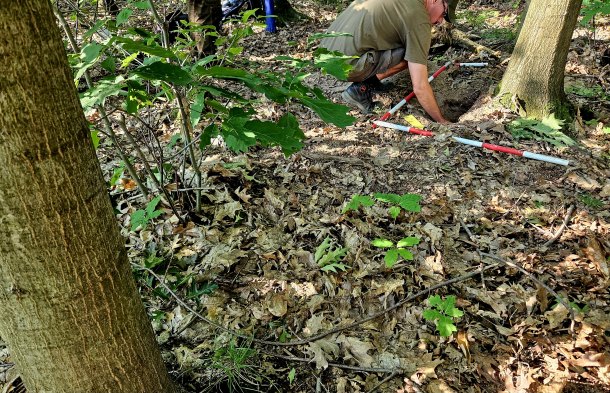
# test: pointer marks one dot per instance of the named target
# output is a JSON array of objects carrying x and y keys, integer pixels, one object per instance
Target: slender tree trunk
[
  {"x": 534, "y": 79},
  {"x": 70, "y": 311},
  {"x": 205, "y": 12}
]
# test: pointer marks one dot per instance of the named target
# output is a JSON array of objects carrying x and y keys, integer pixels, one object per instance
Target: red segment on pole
[
  {"x": 420, "y": 132},
  {"x": 443, "y": 68},
  {"x": 503, "y": 149}
]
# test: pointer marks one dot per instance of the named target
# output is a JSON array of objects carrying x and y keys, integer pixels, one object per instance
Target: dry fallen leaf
[{"x": 595, "y": 254}]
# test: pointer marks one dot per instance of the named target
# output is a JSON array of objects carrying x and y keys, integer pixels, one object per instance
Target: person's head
[{"x": 439, "y": 9}]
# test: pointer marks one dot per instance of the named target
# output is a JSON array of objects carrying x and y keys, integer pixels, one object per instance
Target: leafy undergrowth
[{"x": 252, "y": 262}]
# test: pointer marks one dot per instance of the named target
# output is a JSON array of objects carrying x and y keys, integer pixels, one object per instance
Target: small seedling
[
  {"x": 547, "y": 130},
  {"x": 330, "y": 260},
  {"x": 408, "y": 202},
  {"x": 142, "y": 217},
  {"x": 590, "y": 201},
  {"x": 396, "y": 250},
  {"x": 291, "y": 376},
  {"x": 442, "y": 312},
  {"x": 357, "y": 201}
]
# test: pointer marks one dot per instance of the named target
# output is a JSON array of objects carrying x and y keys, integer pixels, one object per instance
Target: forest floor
[{"x": 265, "y": 215}]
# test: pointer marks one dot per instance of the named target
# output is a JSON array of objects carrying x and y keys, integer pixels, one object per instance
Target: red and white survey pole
[
  {"x": 484, "y": 145},
  {"x": 389, "y": 113}
]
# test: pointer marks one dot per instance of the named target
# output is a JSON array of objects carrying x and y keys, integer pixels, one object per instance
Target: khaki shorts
[{"x": 375, "y": 62}]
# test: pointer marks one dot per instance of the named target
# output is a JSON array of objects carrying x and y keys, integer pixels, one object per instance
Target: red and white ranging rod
[
  {"x": 484, "y": 145},
  {"x": 430, "y": 79}
]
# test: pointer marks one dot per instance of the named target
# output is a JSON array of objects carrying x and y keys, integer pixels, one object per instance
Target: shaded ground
[{"x": 265, "y": 216}]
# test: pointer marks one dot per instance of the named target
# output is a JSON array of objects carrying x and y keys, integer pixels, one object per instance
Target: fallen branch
[
  {"x": 561, "y": 228},
  {"x": 462, "y": 39}
]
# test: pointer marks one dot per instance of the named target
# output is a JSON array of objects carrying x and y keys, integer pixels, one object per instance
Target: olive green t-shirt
[{"x": 381, "y": 25}]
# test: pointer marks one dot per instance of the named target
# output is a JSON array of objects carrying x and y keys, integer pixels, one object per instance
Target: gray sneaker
[{"x": 359, "y": 95}]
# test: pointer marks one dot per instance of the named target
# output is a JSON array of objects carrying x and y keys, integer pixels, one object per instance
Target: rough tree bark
[
  {"x": 533, "y": 82},
  {"x": 71, "y": 313}
]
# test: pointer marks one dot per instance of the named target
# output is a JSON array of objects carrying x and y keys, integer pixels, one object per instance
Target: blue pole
[{"x": 269, "y": 10}]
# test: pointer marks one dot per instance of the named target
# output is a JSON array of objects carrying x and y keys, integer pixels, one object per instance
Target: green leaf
[
  {"x": 357, "y": 201},
  {"x": 291, "y": 376},
  {"x": 410, "y": 202},
  {"x": 332, "y": 257},
  {"x": 109, "y": 64},
  {"x": 388, "y": 198},
  {"x": 445, "y": 326},
  {"x": 211, "y": 131},
  {"x": 394, "y": 211},
  {"x": 123, "y": 16},
  {"x": 435, "y": 300},
  {"x": 141, "y": 5},
  {"x": 408, "y": 242},
  {"x": 455, "y": 312},
  {"x": 391, "y": 257},
  {"x": 150, "y": 206},
  {"x": 117, "y": 174},
  {"x": 139, "y": 46},
  {"x": 329, "y": 112},
  {"x": 166, "y": 72},
  {"x": 138, "y": 218},
  {"x": 431, "y": 315},
  {"x": 105, "y": 88},
  {"x": 322, "y": 249},
  {"x": 405, "y": 254},
  {"x": 237, "y": 137},
  {"x": 333, "y": 63},
  {"x": 382, "y": 243},
  {"x": 289, "y": 138},
  {"x": 333, "y": 267},
  {"x": 197, "y": 108},
  {"x": 89, "y": 54},
  {"x": 95, "y": 138}
]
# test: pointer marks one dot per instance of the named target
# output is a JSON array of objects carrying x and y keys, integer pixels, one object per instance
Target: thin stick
[
  {"x": 561, "y": 228},
  {"x": 337, "y": 365},
  {"x": 323, "y": 334},
  {"x": 390, "y": 377},
  {"x": 537, "y": 281}
]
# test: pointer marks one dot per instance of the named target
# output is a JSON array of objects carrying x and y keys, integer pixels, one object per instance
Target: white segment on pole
[
  {"x": 542, "y": 157},
  {"x": 468, "y": 141},
  {"x": 473, "y": 64},
  {"x": 392, "y": 125}
]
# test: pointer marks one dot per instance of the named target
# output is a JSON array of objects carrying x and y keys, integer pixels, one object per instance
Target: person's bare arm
[{"x": 423, "y": 92}]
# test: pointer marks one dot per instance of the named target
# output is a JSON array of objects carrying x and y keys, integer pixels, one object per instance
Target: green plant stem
[
  {"x": 100, "y": 109},
  {"x": 159, "y": 21},
  {"x": 186, "y": 132}
]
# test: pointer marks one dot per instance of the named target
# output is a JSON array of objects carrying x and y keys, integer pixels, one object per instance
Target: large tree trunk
[
  {"x": 533, "y": 82},
  {"x": 70, "y": 311}
]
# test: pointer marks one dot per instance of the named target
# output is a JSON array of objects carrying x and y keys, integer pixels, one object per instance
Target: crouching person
[{"x": 389, "y": 36}]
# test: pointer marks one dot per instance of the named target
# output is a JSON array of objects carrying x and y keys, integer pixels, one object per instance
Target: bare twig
[
  {"x": 561, "y": 228},
  {"x": 388, "y": 378},
  {"x": 337, "y": 365},
  {"x": 537, "y": 281},
  {"x": 323, "y": 334}
]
